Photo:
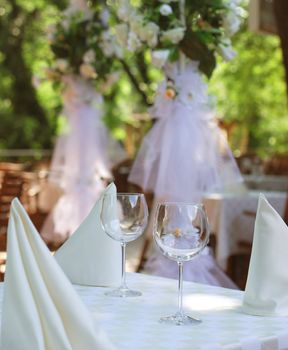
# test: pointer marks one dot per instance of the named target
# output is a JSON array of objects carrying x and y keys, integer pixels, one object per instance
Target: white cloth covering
[
  {"x": 90, "y": 256},
  {"x": 202, "y": 269},
  {"x": 82, "y": 159},
  {"x": 267, "y": 283},
  {"x": 184, "y": 154},
  {"x": 133, "y": 324},
  {"x": 40, "y": 308}
]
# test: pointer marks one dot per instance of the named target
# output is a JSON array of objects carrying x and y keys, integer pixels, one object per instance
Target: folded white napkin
[
  {"x": 90, "y": 256},
  {"x": 40, "y": 308},
  {"x": 266, "y": 290}
]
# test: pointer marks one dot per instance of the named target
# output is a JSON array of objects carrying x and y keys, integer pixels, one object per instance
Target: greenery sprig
[
  {"x": 197, "y": 28},
  {"x": 83, "y": 44}
]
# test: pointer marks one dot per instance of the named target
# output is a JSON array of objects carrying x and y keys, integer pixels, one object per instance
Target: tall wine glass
[
  {"x": 124, "y": 218},
  {"x": 180, "y": 232}
]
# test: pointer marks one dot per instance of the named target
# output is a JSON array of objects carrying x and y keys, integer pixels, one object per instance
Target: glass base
[
  {"x": 123, "y": 293},
  {"x": 180, "y": 319}
]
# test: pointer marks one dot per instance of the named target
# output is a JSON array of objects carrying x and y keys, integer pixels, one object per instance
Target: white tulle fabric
[
  {"x": 82, "y": 158},
  {"x": 184, "y": 154},
  {"x": 203, "y": 269}
]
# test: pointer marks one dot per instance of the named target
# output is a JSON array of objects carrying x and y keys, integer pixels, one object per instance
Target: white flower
[
  {"x": 165, "y": 10},
  {"x": 118, "y": 51},
  {"x": 89, "y": 56},
  {"x": 61, "y": 64},
  {"x": 168, "y": 1},
  {"x": 226, "y": 50},
  {"x": 149, "y": 33},
  {"x": 107, "y": 48},
  {"x": 232, "y": 19},
  {"x": 125, "y": 11},
  {"x": 133, "y": 42},
  {"x": 233, "y": 2},
  {"x": 159, "y": 57},
  {"x": 231, "y": 23},
  {"x": 121, "y": 32},
  {"x": 78, "y": 5},
  {"x": 136, "y": 24},
  {"x": 104, "y": 16},
  {"x": 108, "y": 44},
  {"x": 173, "y": 35},
  {"x": 87, "y": 71},
  {"x": 106, "y": 35}
]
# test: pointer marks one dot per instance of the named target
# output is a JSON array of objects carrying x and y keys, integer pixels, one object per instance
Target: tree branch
[
  {"x": 281, "y": 13},
  {"x": 134, "y": 81}
]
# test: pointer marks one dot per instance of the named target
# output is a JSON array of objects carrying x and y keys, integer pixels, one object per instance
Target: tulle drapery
[
  {"x": 184, "y": 154},
  {"x": 82, "y": 159}
]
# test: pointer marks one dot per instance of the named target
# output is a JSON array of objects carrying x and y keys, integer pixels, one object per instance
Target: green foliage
[
  {"x": 251, "y": 91},
  {"x": 24, "y": 121},
  {"x": 200, "y": 28},
  {"x": 82, "y": 44}
]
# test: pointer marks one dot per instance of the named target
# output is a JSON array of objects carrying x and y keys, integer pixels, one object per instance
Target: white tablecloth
[
  {"x": 229, "y": 222},
  {"x": 132, "y": 324}
]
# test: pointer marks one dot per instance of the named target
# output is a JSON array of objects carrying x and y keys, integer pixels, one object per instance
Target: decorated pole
[
  {"x": 180, "y": 157},
  {"x": 183, "y": 22},
  {"x": 82, "y": 162}
]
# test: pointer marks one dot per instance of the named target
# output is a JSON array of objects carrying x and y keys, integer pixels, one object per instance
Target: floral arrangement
[
  {"x": 83, "y": 44},
  {"x": 197, "y": 28}
]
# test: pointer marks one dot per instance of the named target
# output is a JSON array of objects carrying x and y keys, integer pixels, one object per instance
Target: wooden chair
[
  {"x": 120, "y": 174},
  {"x": 11, "y": 187},
  {"x": 6, "y": 166},
  {"x": 277, "y": 165}
]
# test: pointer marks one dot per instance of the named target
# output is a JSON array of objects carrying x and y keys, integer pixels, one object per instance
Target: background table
[
  {"x": 226, "y": 213},
  {"x": 132, "y": 324},
  {"x": 267, "y": 182}
]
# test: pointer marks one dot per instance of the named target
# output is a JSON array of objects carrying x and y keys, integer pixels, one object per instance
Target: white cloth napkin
[
  {"x": 40, "y": 308},
  {"x": 90, "y": 256},
  {"x": 266, "y": 292}
]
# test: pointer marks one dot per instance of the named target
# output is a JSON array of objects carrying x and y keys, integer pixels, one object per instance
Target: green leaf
[{"x": 197, "y": 51}]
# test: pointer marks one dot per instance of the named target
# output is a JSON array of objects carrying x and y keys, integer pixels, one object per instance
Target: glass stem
[
  {"x": 123, "y": 276},
  {"x": 180, "y": 288}
]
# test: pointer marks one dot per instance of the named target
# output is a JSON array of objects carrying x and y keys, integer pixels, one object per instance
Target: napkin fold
[
  {"x": 266, "y": 292},
  {"x": 40, "y": 308},
  {"x": 90, "y": 256}
]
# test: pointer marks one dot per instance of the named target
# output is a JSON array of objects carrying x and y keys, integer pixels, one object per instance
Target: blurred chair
[
  {"x": 250, "y": 163},
  {"x": 120, "y": 174},
  {"x": 277, "y": 165},
  {"x": 11, "y": 186},
  {"x": 6, "y": 166}
]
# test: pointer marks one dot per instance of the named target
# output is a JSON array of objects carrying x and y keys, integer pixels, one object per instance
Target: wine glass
[
  {"x": 181, "y": 232},
  {"x": 124, "y": 218}
]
